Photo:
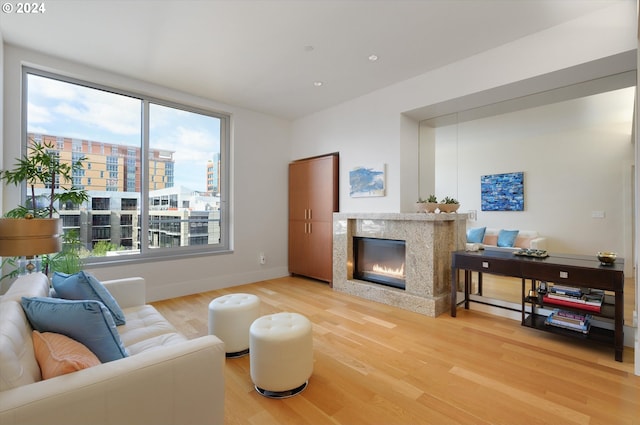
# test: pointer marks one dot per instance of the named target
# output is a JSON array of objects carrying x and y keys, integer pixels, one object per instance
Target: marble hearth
[{"x": 429, "y": 238}]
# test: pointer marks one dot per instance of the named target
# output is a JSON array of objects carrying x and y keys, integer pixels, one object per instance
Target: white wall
[
  {"x": 577, "y": 158},
  {"x": 260, "y": 153},
  {"x": 372, "y": 130}
]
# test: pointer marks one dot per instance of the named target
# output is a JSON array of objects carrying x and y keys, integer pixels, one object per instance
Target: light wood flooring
[{"x": 376, "y": 364}]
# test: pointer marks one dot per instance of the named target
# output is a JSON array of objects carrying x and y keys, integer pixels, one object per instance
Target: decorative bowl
[
  {"x": 448, "y": 208},
  {"x": 606, "y": 258}
]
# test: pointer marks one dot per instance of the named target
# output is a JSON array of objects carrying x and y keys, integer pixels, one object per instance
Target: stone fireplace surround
[{"x": 430, "y": 239}]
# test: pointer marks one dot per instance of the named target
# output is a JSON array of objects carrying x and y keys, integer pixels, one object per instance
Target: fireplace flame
[{"x": 398, "y": 272}]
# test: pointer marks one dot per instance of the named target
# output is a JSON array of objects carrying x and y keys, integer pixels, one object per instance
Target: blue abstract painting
[
  {"x": 365, "y": 182},
  {"x": 502, "y": 192}
]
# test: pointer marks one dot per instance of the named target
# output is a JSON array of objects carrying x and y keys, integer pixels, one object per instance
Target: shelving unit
[
  {"x": 572, "y": 270},
  {"x": 536, "y": 318}
]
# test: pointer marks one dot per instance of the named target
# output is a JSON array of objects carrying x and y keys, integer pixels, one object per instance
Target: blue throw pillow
[
  {"x": 476, "y": 235},
  {"x": 506, "y": 238},
  {"x": 88, "y": 322},
  {"x": 84, "y": 286}
]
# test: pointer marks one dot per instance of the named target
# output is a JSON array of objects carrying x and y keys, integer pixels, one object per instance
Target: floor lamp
[{"x": 28, "y": 238}]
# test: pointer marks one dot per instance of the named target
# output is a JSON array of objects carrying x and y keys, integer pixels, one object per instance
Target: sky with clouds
[{"x": 68, "y": 110}]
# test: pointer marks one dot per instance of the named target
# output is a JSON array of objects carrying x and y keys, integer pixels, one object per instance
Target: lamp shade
[{"x": 29, "y": 237}]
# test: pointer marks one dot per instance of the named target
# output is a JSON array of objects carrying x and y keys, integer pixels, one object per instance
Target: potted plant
[
  {"x": 421, "y": 205},
  {"x": 448, "y": 205},
  {"x": 41, "y": 167},
  {"x": 429, "y": 205}
]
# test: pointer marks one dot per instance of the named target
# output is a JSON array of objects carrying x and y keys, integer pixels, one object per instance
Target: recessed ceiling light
[
  {"x": 318, "y": 83},
  {"x": 373, "y": 58}
]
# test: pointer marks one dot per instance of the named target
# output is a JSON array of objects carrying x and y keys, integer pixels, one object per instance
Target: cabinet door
[
  {"x": 320, "y": 260},
  {"x": 298, "y": 247},
  {"x": 298, "y": 191},
  {"x": 323, "y": 188}
]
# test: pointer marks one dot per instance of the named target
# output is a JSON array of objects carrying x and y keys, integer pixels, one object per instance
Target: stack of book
[
  {"x": 569, "y": 296},
  {"x": 569, "y": 320}
]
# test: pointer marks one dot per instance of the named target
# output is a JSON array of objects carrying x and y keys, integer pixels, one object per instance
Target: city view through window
[{"x": 152, "y": 170}]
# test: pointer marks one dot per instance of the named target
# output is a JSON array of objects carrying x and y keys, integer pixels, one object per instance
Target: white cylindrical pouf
[
  {"x": 281, "y": 354},
  {"x": 230, "y": 317}
]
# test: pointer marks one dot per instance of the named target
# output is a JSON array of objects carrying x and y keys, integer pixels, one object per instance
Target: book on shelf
[
  {"x": 591, "y": 299},
  {"x": 570, "y": 315},
  {"x": 572, "y": 302},
  {"x": 567, "y": 290},
  {"x": 563, "y": 316},
  {"x": 559, "y": 321}
]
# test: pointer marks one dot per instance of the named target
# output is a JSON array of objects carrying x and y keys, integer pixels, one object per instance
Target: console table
[{"x": 574, "y": 270}]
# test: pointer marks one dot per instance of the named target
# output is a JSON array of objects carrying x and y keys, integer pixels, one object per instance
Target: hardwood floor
[{"x": 376, "y": 364}]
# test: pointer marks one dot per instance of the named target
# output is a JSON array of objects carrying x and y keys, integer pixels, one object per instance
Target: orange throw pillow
[{"x": 58, "y": 354}]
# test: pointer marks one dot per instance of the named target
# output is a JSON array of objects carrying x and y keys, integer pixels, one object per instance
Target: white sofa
[
  {"x": 526, "y": 239},
  {"x": 166, "y": 379}
]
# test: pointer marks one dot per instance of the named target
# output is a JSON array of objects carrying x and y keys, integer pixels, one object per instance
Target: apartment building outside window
[{"x": 140, "y": 156}]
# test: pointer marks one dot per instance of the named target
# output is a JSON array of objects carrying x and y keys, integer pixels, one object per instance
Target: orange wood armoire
[{"x": 313, "y": 198}]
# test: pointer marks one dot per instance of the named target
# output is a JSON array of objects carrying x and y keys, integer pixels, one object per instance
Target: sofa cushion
[
  {"x": 506, "y": 238},
  {"x": 58, "y": 354},
  {"x": 476, "y": 235},
  {"x": 85, "y": 286},
  {"x": 490, "y": 239},
  {"x": 145, "y": 329},
  {"x": 18, "y": 365},
  {"x": 88, "y": 322}
]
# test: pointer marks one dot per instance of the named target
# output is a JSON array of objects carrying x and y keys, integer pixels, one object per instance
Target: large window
[{"x": 142, "y": 154}]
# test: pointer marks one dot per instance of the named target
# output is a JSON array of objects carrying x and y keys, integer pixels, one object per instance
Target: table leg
[
  {"x": 467, "y": 287},
  {"x": 619, "y": 325},
  {"x": 454, "y": 291}
]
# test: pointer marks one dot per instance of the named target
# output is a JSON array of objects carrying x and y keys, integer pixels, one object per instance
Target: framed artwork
[
  {"x": 502, "y": 192},
  {"x": 367, "y": 181}
]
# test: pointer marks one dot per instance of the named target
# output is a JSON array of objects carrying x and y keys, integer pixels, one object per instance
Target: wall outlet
[{"x": 262, "y": 259}]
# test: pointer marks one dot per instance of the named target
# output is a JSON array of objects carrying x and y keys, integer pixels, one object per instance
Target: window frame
[{"x": 146, "y": 253}]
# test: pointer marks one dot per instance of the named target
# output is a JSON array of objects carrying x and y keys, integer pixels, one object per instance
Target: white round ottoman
[
  {"x": 281, "y": 354},
  {"x": 230, "y": 317}
]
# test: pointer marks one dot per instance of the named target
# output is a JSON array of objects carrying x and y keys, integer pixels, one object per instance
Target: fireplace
[{"x": 379, "y": 261}]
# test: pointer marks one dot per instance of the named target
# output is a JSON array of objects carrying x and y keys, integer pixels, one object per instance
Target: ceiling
[{"x": 266, "y": 55}]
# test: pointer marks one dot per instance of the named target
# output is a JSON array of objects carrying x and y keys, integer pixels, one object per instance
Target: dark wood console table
[{"x": 573, "y": 270}]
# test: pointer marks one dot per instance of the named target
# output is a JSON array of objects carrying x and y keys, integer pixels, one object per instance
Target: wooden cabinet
[{"x": 313, "y": 198}]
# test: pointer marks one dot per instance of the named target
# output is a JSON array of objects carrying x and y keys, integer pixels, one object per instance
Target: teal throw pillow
[
  {"x": 85, "y": 286},
  {"x": 88, "y": 322},
  {"x": 476, "y": 235},
  {"x": 506, "y": 238}
]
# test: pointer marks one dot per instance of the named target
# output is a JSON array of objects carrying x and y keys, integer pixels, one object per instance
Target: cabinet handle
[
  {"x": 310, "y": 224},
  {"x": 309, "y": 213}
]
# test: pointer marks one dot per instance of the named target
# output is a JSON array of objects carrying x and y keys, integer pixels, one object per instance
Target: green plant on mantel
[
  {"x": 448, "y": 200},
  {"x": 42, "y": 166},
  {"x": 430, "y": 200}
]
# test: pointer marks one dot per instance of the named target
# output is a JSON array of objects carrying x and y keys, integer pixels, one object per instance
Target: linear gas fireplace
[
  {"x": 426, "y": 242},
  {"x": 379, "y": 261}
]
